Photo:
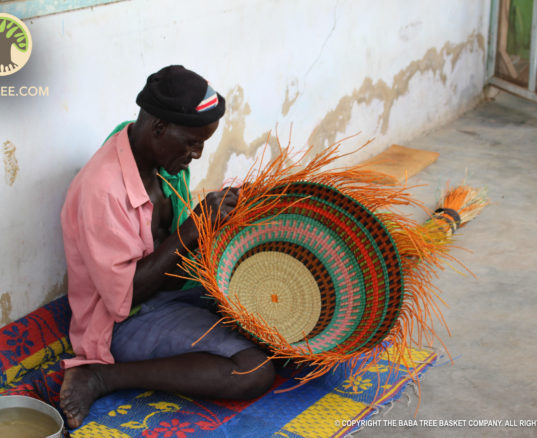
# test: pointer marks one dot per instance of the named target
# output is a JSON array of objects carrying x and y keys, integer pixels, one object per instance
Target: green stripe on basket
[
  {"x": 369, "y": 244},
  {"x": 290, "y": 220},
  {"x": 372, "y": 241}
]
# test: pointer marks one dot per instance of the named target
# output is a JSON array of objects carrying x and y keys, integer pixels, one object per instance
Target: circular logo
[{"x": 15, "y": 44}]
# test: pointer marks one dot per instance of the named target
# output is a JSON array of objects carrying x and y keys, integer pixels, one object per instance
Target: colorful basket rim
[{"x": 367, "y": 246}]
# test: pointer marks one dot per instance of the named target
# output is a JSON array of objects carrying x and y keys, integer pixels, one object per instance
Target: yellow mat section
[
  {"x": 93, "y": 430},
  {"x": 323, "y": 419}
]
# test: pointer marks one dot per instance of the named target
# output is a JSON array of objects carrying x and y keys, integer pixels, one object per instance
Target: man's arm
[{"x": 150, "y": 277}]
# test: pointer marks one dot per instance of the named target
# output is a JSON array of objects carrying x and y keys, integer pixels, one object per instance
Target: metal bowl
[{"x": 21, "y": 401}]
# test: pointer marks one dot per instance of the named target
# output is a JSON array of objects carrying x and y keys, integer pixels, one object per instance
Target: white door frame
[{"x": 530, "y": 92}]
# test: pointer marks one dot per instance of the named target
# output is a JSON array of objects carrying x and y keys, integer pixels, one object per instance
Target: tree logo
[{"x": 15, "y": 44}]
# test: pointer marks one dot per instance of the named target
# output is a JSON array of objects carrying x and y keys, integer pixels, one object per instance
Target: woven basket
[{"x": 317, "y": 267}]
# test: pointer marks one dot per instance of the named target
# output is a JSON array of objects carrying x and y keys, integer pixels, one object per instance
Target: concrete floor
[{"x": 493, "y": 319}]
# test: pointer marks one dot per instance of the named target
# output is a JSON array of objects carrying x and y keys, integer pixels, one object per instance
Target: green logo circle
[{"x": 15, "y": 44}]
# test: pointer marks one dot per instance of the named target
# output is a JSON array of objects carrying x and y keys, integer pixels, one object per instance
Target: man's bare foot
[{"x": 80, "y": 388}]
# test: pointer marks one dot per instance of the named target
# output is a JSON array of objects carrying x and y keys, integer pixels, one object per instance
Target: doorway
[{"x": 512, "y": 57}]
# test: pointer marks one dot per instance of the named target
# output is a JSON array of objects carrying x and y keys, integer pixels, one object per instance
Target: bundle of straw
[{"x": 458, "y": 206}]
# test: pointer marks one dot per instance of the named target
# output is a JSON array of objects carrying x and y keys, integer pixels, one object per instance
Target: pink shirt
[{"x": 106, "y": 221}]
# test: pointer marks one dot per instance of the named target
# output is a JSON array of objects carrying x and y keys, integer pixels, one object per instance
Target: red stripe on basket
[
  {"x": 315, "y": 238},
  {"x": 360, "y": 246}
]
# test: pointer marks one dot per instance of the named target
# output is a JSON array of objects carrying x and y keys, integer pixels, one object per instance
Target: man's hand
[
  {"x": 220, "y": 204},
  {"x": 149, "y": 276}
]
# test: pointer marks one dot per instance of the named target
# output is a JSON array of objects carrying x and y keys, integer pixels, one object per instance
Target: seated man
[{"x": 130, "y": 328}]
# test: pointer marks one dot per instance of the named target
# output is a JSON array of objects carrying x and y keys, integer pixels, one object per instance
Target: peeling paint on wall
[
  {"x": 11, "y": 166},
  {"x": 410, "y": 30},
  {"x": 5, "y": 309},
  {"x": 233, "y": 140},
  {"x": 457, "y": 50},
  {"x": 6, "y": 306},
  {"x": 291, "y": 95},
  {"x": 336, "y": 121}
]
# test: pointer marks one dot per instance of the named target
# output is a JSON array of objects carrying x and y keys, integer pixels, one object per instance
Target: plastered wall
[{"x": 326, "y": 68}]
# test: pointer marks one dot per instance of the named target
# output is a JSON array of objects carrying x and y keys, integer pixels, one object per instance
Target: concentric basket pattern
[{"x": 349, "y": 252}]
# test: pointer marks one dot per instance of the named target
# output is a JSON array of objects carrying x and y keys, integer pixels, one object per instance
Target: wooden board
[{"x": 400, "y": 162}]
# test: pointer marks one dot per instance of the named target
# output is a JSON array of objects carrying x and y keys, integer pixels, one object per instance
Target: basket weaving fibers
[{"x": 316, "y": 266}]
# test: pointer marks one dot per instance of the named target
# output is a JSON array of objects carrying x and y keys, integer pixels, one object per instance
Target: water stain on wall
[
  {"x": 55, "y": 291},
  {"x": 291, "y": 95},
  {"x": 5, "y": 309},
  {"x": 6, "y": 306},
  {"x": 336, "y": 121},
  {"x": 11, "y": 166}
]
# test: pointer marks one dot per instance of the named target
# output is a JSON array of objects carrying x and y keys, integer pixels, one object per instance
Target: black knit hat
[{"x": 180, "y": 96}]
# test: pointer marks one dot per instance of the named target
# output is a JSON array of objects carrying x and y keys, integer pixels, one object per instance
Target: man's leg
[{"x": 192, "y": 374}]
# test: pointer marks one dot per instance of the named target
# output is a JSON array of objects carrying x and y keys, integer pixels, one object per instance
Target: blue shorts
[{"x": 169, "y": 323}]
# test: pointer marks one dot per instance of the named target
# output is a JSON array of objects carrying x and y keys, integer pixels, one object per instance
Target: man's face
[{"x": 176, "y": 146}]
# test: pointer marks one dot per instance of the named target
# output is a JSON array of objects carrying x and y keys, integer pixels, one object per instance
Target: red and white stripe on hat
[{"x": 209, "y": 101}]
